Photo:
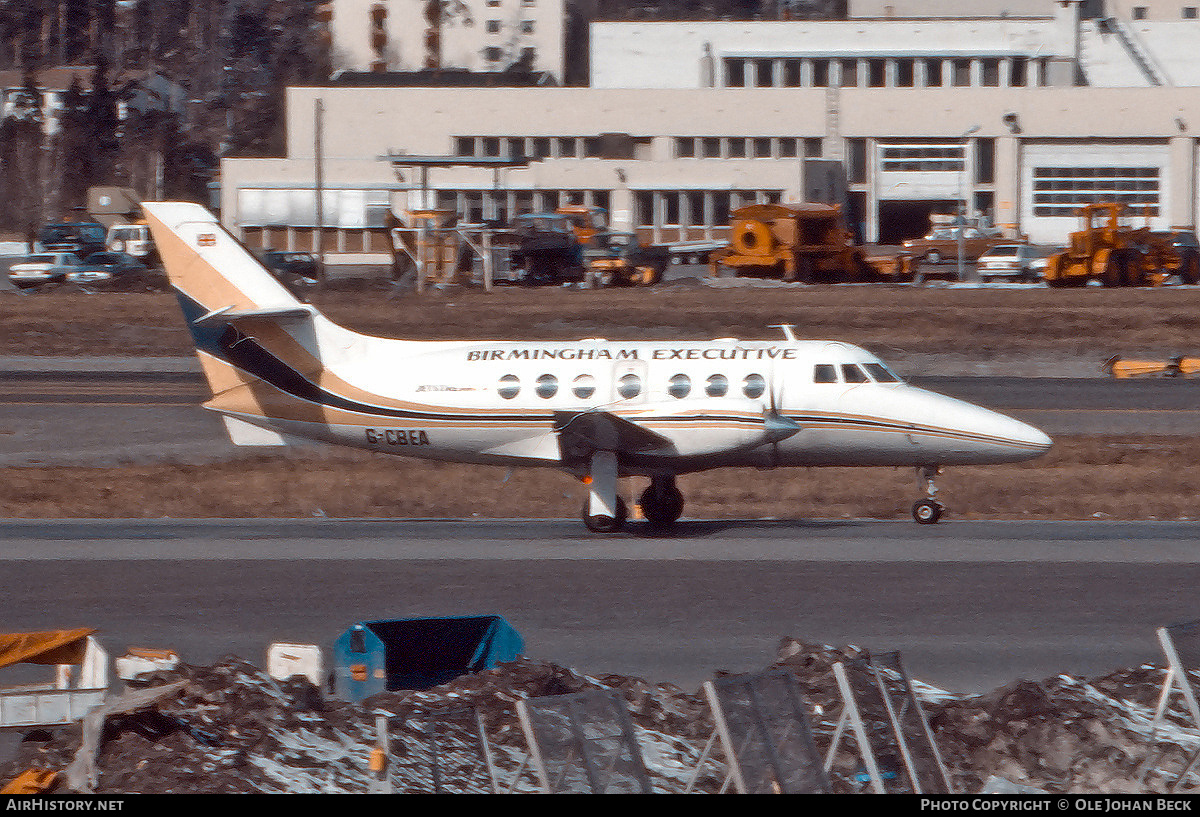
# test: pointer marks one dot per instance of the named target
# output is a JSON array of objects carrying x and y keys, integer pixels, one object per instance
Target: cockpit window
[
  {"x": 881, "y": 373},
  {"x": 824, "y": 373},
  {"x": 853, "y": 374}
]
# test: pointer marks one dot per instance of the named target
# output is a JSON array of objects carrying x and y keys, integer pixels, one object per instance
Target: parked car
[
  {"x": 295, "y": 270},
  {"x": 115, "y": 270},
  {"x": 79, "y": 237},
  {"x": 134, "y": 239},
  {"x": 42, "y": 268},
  {"x": 942, "y": 244},
  {"x": 1017, "y": 262}
]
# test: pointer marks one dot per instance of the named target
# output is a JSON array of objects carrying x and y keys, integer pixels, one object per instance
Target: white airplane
[{"x": 280, "y": 371}]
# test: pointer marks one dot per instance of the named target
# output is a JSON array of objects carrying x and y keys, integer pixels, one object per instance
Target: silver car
[
  {"x": 42, "y": 268},
  {"x": 1012, "y": 262}
]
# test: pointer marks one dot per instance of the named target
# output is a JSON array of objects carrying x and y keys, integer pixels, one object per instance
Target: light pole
[{"x": 962, "y": 204}]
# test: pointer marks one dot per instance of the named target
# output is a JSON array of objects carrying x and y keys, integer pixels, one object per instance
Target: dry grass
[
  {"x": 1093, "y": 322},
  {"x": 1081, "y": 478}
]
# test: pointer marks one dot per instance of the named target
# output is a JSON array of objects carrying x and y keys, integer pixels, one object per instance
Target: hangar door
[{"x": 1057, "y": 178}]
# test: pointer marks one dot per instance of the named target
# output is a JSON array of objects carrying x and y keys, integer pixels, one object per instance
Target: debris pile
[{"x": 232, "y": 728}]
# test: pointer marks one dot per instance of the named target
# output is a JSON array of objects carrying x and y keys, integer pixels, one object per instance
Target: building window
[
  {"x": 764, "y": 73},
  {"x": 735, "y": 73},
  {"x": 493, "y": 26},
  {"x": 962, "y": 73},
  {"x": 1018, "y": 72},
  {"x": 1189, "y": 12},
  {"x": 527, "y": 26},
  {"x": 791, "y": 73},
  {"x": 814, "y": 147},
  {"x": 493, "y": 54},
  {"x": 933, "y": 73},
  {"x": 1061, "y": 191},
  {"x": 736, "y": 148},
  {"x": 856, "y": 168},
  {"x": 921, "y": 158},
  {"x": 685, "y": 147},
  {"x": 710, "y": 147},
  {"x": 820, "y": 73},
  {"x": 1139, "y": 12},
  {"x": 985, "y": 161}
]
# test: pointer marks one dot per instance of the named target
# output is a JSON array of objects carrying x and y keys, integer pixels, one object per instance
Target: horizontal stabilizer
[
  {"x": 581, "y": 433},
  {"x": 286, "y": 314}
]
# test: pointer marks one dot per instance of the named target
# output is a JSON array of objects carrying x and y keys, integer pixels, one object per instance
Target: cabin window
[
  {"x": 881, "y": 373},
  {"x": 679, "y": 386},
  {"x": 824, "y": 373},
  {"x": 754, "y": 386},
  {"x": 629, "y": 386},
  {"x": 547, "y": 386},
  {"x": 510, "y": 386},
  {"x": 717, "y": 386},
  {"x": 584, "y": 386},
  {"x": 853, "y": 374}
]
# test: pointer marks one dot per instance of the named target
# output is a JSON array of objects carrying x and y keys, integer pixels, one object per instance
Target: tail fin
[
  {"x": 207, "y": 265},
  {"x": 256, "y": 342}
]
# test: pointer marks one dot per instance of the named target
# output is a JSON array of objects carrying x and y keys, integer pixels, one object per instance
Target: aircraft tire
[
  {"x": 603, "y": 523},
  {"x": 664, "y": 510},
  {"x": 928, "y": 511}
]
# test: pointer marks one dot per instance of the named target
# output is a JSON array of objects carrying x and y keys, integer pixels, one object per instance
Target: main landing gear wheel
[
  {"x": 928, "y": 511},
  {"x": 603, "y": 523},
  {"x": 661, "y": 503}
]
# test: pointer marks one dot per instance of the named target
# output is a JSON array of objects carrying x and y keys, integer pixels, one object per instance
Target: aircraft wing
[{"x": 582, "y": 432}]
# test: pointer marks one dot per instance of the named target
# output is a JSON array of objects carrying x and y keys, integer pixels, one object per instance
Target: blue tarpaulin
[{"x": 419, "y": 653}]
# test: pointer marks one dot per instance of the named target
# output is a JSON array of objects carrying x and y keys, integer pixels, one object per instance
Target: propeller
[{"x": 776, "y": 426}]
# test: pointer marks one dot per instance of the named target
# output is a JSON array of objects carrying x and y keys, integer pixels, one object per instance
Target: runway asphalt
[{"x": 971, "y": 605}]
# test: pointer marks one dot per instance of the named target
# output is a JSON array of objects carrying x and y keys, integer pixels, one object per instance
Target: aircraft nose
[
  {"x": 1031, "y": 437},
  {"x": 1014, "y": 439},
  {"x": 981, "y": 435}
]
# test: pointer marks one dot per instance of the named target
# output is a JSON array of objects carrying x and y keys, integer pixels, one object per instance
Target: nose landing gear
[{"x": 928, "y": 511}]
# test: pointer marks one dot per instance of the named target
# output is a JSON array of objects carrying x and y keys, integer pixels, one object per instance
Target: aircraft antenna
[{"x": 786, "y": 328}]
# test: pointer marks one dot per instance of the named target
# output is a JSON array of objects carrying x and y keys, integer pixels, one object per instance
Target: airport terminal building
[{"x": 1023, "y": 116}]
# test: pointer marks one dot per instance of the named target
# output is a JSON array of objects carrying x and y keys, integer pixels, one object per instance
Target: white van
[{"x": 133, "y": 239}]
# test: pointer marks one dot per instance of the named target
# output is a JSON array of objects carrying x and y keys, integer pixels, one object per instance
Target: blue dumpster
[{"x": 418, "y": 653}]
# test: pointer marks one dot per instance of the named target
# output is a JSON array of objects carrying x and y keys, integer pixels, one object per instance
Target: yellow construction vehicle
[
  {"x": 1119, "y": 367},
  {"x": 585, "y": 221},
  {"x": 797, "y": 242},
  {"x": 1110, "y": 250}
]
